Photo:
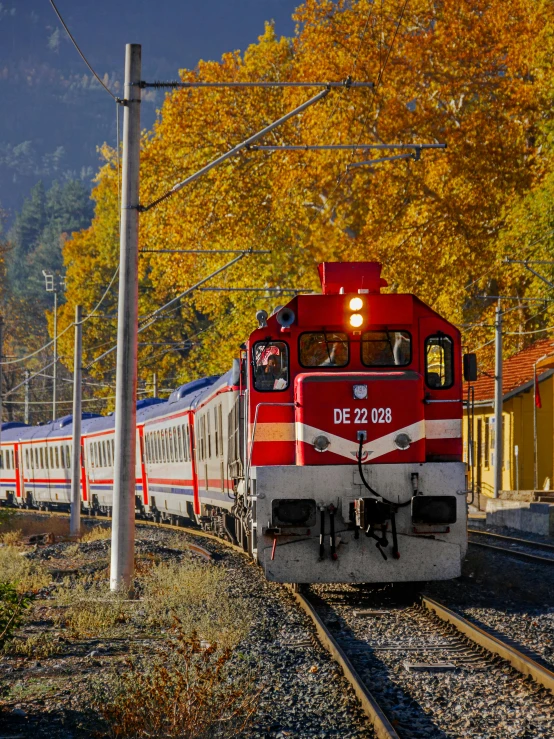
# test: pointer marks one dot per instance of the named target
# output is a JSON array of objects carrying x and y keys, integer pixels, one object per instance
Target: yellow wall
[{"x": 518, "y": 431}]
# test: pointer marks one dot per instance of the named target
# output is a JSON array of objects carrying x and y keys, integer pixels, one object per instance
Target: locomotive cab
[{"x": 353, "y": 443}]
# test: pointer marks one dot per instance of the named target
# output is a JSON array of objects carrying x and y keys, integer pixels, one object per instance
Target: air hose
[
  {"x": 382, "y": 541},
  {"x": 368, "y": 486}
]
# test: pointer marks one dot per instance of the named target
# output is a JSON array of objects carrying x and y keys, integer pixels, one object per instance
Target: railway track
[
  {"x": 405, "y": 662},
  {"x": 523, "y": 549},
  {"x": 408, "y": 662}
]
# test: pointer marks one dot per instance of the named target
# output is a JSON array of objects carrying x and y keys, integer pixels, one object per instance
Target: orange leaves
[{"x": 471, "y": 73}]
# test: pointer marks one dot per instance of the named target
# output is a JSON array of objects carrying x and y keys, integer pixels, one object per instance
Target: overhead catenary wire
[
  {"x": 83, "y": 57},
  {"x": 232, "y": 152},
  {"x": 71, "y": 325},
  {"x": 382, "y": 70}
]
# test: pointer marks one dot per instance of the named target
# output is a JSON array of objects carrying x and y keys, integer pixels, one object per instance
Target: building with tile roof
[{"x": 519, "y": 414}]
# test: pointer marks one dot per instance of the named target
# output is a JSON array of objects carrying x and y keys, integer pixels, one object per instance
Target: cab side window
[
  {"x": 270, "y": 365},
  {"x": 439, "y": 361}
]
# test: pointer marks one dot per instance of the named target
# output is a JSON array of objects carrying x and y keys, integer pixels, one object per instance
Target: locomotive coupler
[
  {"x": 332, "y": 511},
  {"x": 322, "y": 533}
]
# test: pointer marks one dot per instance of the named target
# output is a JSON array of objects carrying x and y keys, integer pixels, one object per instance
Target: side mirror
[{"x": 470, "y": 367}]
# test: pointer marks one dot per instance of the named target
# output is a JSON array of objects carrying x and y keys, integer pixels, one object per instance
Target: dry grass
[
  {"x": 11, "y": 538},
  {"x": 28, "y": 576},
  {"x": 198, "y": 596},
  {"x": 37, "y": 646},
  {"x": 88, "y": 609},
  {"x": 96, "y": 533},
  {"x": 187, "y": 693}
]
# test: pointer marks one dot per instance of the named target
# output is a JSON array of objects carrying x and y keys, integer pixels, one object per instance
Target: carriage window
[
  {"x": 171, "y": 433},
  {"x": 216, "y": 430},
  {"x": 187, "y": 444},
  {"x": 439, "y": 357},
  {"x": 386, "y": 348},
  {"x": 220, "y": 430},
  {"x": 270, "y": 363},
  {"x": 324, "y": 349},
  {"x": 57, "y": 457}
]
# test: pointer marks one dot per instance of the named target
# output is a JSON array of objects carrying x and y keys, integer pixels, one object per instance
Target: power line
[
  {"x": 83, "y": 57},
  {"x": 232, "y": 152},
  {"x": 382, "y": 70}
]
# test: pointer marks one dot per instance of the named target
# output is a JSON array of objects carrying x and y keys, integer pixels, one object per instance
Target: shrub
[
  {"x": 188, "y": 693},
  {"x": 12, "y": 606},
  {"x": 198, "y": 595},
  {"x": 96, "y": 533},
  {"x": 26, "y": 575},
  {"x": 88, "y": 608},
  {"x": 38, "y": 646}
]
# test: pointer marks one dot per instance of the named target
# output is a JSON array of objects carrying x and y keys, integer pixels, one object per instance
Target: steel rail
[
  {"x": 517, "y": 554},
  {"x": 528, "y": 542},
  {"x": 383, "y": 727},
  {"x": 520, "y": 661}
]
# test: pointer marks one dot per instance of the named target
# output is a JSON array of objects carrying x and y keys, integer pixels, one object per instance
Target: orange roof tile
[{"x": 516, "y": 371}]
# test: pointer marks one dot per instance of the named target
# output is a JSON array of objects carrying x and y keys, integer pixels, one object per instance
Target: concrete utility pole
[
  {"x": 1, "y": 379},
  {"x": 155, "y": 385},
  {"x": 55, "y": 372},
  {"x": 123, "y": 523},
  {"x": 27, "y": 391},
  {"x": 498, "y": 402},
  {"x": 75, "y": 517}
]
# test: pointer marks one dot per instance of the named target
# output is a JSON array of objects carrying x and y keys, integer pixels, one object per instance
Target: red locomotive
[{"x": 332, "y": 451}]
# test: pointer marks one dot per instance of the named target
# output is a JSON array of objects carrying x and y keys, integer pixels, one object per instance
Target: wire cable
[
  {"x": 382, "y": 71},
  {"x": 83, "y": 57},
  {"x": 527, "y": 333}
]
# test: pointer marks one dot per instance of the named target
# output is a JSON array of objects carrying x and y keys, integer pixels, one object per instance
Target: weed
[
  {"x": 27, "y": 576},
  {"x": 189, "y": 693},
  {"x": 198, "y": 596},
  {"x": 96, "y": 533},
  {"x": 12, "y": 606},
  {"x": 72, "y": 551},
  {"x": 11, "y": 538},
  {"x": 37, "y": 646},
  {"x": 88, "y": 608}
]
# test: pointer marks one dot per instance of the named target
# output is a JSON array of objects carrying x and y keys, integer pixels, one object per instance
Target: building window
[{"x": 488, "y": 445}]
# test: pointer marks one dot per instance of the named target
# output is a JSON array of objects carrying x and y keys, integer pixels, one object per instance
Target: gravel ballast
[
  {"x": 430, "y": 681},
  {"x": 304, "y": 693}
]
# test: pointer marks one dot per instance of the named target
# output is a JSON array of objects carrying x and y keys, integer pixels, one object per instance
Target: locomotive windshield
[
  {"x": 324, "y": 349},
  {"x": 271, "y": 365},
  {"x": 386, "y": 348}
]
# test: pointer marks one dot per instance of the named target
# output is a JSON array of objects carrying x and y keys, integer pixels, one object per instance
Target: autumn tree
[{"x": 470, "y": 73}]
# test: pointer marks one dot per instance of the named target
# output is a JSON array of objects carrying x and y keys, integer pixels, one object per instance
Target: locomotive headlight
[
  {"x": 402, "y": 441},
  {"x": 356, "y": 319},
  {"x": 321, "y": 443},
  {"x": 356, "y": 304}
]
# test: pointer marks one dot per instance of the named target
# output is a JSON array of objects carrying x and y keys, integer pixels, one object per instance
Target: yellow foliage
[{"x": 471, "y": 73}]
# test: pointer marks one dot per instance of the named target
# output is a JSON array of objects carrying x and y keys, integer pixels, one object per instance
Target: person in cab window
[{"x": 270, "y": 375}]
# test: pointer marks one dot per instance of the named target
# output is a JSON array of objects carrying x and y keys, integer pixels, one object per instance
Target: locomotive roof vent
[{"x": 351, "y": 277}]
